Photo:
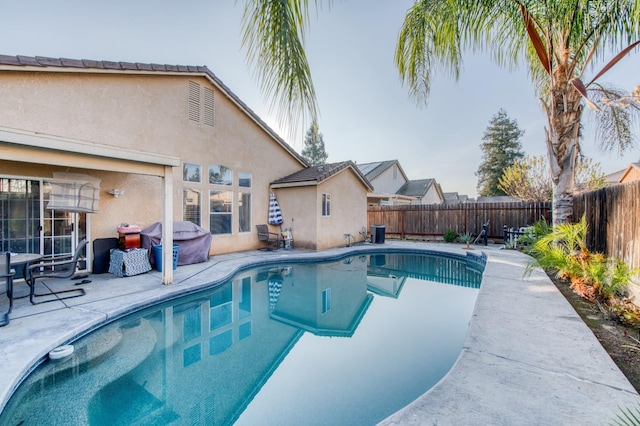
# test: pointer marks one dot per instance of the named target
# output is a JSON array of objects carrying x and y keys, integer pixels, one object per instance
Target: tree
[
  {"x": 500, "y": 149},
  {"x": 559, "y": 41},
  {"x": 313, "y": 150},
  {"x": 530, "y": 179}
]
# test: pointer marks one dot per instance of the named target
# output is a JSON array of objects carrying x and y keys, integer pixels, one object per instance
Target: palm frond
[
  {"x": 273, "y": 34},
  {"x": 615, "y": 120}
]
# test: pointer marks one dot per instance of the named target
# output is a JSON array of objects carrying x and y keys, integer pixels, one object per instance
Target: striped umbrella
[{"x": 275, "y": 215}]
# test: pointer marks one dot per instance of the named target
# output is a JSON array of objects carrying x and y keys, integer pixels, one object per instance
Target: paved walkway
[{"x": 528, "y": 358}]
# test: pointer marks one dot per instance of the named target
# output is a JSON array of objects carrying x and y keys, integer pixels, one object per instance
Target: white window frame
[{"x": 326, "y": 204}]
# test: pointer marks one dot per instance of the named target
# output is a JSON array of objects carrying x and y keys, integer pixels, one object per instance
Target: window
[
  {"x": 326, "y": 204},
  {"x": 220, "y": 175},
  {"x": 221, "y": 308},
  {"x": 220, "y": 212},
  {"x": 326, "y": 300},
  {"x": 191, "y": 206},
  {"x": 191, "y": 172},
  {"x": 244, "y": 212},
  {"x": 244, "y": 179}
]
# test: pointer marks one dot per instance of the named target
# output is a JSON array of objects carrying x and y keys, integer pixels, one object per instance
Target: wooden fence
[
  {"x": 613, "y": 216},
  {"x": 434, "y": 220}
]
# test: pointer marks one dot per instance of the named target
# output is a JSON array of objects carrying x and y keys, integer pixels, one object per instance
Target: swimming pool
[{"x": 345, "y": 342}]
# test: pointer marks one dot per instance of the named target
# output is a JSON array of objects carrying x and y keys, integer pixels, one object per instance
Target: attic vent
[
  {"x": 194, "y": 101},
  {"x": 208, "y": 107}
]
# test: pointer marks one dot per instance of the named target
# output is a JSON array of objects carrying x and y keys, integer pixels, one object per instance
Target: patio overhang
[{"x": 39, "y": 148}]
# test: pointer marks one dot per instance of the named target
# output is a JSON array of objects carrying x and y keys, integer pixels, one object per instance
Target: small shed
[{"x": 325, "y": 206}]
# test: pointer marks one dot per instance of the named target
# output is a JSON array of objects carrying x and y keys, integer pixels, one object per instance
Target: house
[
  {"x": 499, "y": 199},
  {"x": 455, "y": 198},
  {"x": 89, "y": 145},
  {"x": 423, "y": 191},
  {"x": 631, "y": 173},
  {"x": 338, "y": 191},
  {"x": 386, "y": 177},
  {"x": 392, "y": 187}
]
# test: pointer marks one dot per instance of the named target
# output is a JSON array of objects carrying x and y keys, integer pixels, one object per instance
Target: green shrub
[
  {"x": 450, "y": 236},
  {"x": 564, "y": 252}
]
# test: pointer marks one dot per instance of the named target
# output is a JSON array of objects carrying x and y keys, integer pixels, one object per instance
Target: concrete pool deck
[{"x": 528, "y": 358}]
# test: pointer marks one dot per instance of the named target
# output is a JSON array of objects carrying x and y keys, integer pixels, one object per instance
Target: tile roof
[
  {"x": 314, "y": 175},
  {"x": 73, "y": 65}
]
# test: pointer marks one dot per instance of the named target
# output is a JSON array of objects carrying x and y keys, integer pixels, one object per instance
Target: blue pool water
[{"x": 335, "y": 343}]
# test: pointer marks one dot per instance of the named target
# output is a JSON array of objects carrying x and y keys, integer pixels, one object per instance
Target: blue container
[{"x": 157, "y": 251}]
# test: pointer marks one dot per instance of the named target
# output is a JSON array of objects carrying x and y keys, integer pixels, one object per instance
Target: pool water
[{"x": 347, "y": 342}]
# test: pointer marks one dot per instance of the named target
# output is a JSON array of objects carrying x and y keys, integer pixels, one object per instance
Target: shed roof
[{"x": 315, "y": 175}]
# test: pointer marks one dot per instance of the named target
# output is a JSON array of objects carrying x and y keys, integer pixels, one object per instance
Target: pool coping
[{"x": 527, "y": 359}]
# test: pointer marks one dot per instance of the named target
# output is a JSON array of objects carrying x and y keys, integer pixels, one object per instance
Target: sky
[{"x": 366, "y": 114}]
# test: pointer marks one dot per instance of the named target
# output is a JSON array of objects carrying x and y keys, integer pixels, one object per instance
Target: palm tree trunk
[{"x": 563, "y": 145}]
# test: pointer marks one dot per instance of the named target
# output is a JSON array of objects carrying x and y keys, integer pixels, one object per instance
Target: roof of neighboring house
[
  {"x": 416, "y": 188},
  {"x": 315, "y": 175},
  {"x": 499, "y": 199},
  {"x": 375, "y": 169},
  {"x": 615, "y": 176},
  {"x": 43, "y": 64},
  {"x": 451, "y": 196},
  {"x": 454, "y": 198}
]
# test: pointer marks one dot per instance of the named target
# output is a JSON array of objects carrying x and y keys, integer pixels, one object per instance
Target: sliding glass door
[{"x": 26, "y": 226}]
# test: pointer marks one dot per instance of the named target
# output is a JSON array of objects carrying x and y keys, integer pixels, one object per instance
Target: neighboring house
[
  {"x": 325, "y": 204},
  {"x": 499, "y": 199},
  {"x": 455, "y": 198},
  {"x": 423, "y": 191},
  {"x": 386, "y": 177},
  {"x": 163, "y": 142},
  {"x": 631, "y": 174}
]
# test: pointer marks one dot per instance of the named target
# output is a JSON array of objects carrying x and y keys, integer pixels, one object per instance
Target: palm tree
[{"x": 559, "y": 40}]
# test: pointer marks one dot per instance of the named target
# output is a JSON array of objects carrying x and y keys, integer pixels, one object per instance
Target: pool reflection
[{"x": 208, "y": 358}]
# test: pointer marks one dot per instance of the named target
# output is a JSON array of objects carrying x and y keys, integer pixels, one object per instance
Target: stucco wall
[
  {"x": 348, "y": 209},
  {"x": 147, "y": 113},
  {"x": 300, "y": 212}
]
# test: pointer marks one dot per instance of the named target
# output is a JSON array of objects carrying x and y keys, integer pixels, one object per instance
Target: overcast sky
[{"x": 366, "y": 114}]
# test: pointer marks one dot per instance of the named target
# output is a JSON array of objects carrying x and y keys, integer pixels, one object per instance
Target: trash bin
[
  {"x": 157, "y": 252},
  {"x": 377, "y": 234}
]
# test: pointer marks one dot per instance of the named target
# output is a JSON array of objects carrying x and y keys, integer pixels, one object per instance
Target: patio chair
[
  {"x": 55, "y": 267},
  {"x": 267, "y": 237},
  {"x": 6, "y": 283}
]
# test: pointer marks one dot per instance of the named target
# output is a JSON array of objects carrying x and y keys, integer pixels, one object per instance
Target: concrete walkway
[{"x": 528, "y": 358}]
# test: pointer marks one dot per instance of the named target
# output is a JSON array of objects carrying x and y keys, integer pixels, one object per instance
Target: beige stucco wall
[
  {"x": 302, "y": 207},
  {"x": 145, "y": 113}
]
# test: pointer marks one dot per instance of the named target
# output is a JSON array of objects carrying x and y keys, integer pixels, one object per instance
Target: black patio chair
[
  {"x": 6, "y": 282},
  {"x": 267, "y": 237},
  {"x": 55, "y": 267}
]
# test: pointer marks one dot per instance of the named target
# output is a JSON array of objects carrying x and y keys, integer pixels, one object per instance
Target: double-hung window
[
  {"x": 326, "y": 204},
  {"x": 244, "y": 202},
  {"x": 220, "y": 212}
]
